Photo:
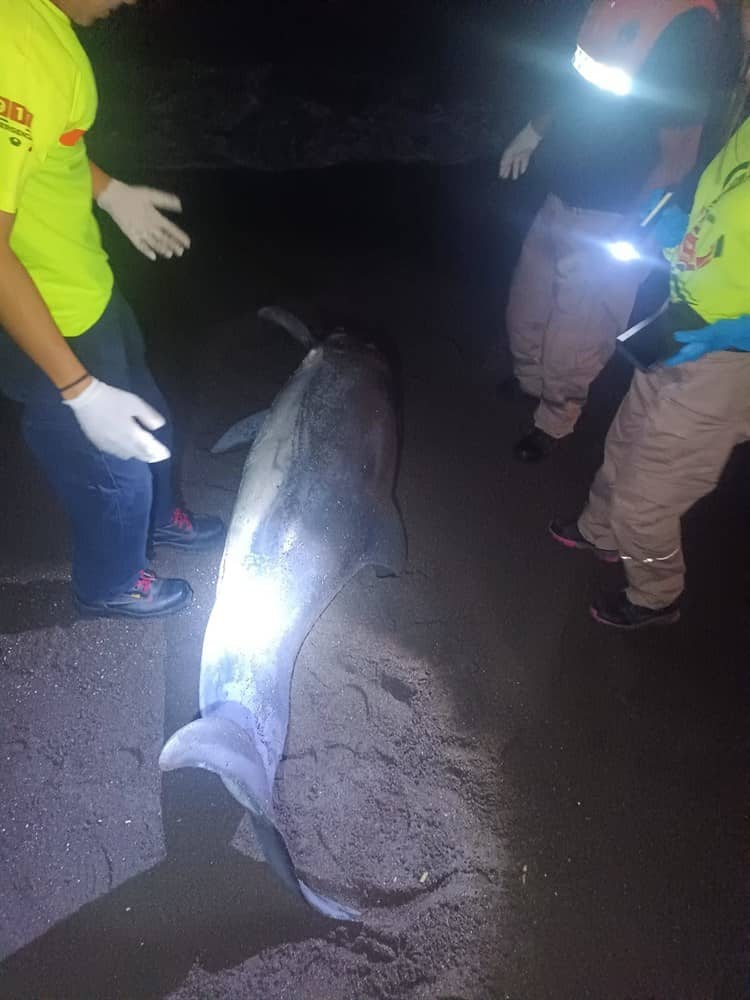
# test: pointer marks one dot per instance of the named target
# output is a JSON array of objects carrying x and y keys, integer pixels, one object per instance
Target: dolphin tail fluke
[
  {"x": 243, "y": 433},
  {"x": 289, "y": 322},
  {"x": 217, "y": 744},
  {"x": 277, "y": 855},
  {"x": 388, "y": 550}
]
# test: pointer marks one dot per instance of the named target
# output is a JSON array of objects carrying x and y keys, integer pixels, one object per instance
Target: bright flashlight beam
[
  {"x": 623, "y": 251},
  {"x": 610, "y": 78},
  {"x": 249, "y": 616}
]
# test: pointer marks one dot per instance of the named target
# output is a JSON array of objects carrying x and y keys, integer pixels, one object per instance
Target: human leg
[
  {"x": 593, "y": 297},
  {"x": 530, "y": 300}
]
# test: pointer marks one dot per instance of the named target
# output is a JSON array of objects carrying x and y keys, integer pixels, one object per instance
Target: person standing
[
  {"x": 628, "y": 122},
  {"x": 71, "y": 350},
  {"x": 681, "y": 420}
]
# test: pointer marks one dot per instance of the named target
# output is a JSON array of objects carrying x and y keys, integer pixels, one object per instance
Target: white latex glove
[
  {"x": 108, "y": 419},
  {"x": 136, "y": 212},
  {"x": 515, "y": 160}
]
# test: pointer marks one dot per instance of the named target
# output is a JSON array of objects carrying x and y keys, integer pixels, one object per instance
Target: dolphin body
[{"x": 315, "y": 506}]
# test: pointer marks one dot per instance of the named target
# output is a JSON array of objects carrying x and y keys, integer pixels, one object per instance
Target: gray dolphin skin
[{"x": 314, "y": 507}]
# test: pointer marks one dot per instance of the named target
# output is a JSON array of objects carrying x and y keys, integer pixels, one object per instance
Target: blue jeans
[{"x": 112, "y": 504}]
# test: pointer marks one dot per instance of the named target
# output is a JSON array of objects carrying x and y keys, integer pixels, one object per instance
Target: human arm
[
  {"x": 27, "y": 320},
  {"x": 669, "y": 226},
  {"x": 515, "y": 159},
  {"x": 676, "y": 83},
  {"x": 517, "y": 155},
  {"x": 99, "y": 180},
  {"x": 107, "y": 416},
  {"x": 723, "y": 335},
  {"x": 136, "y": 212},
  {"x": 677, "y": 88},
  {"x": 656, "y": 224}
]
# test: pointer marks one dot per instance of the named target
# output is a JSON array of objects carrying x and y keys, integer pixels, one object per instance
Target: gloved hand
[
  {"x": 108, "y": 419},
  {"x": 719, "y": 336},
  {"x": 515, "y": 159},
  {"x": 135, "y": 210},
  {"x": 669, "y": 226}
]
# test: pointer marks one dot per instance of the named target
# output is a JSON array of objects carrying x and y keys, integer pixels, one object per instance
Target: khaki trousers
[
  {"x": 667, "y": 447},
  {"x": 568, "y": 301}
]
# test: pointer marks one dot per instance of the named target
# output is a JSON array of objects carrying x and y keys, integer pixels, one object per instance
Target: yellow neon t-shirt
[
  {"x": 710, "y": 269},
  {"x": 48, "y": 102}
]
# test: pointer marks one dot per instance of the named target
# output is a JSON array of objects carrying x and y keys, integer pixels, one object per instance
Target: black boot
[
  {"x": 194, "y": 532},
  {"x": 534, "y": 446},
  {"x": 149, "y": 597},
  {"x": 617, "y": 611}
]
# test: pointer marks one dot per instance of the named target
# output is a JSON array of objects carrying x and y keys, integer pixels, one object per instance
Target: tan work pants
[
  {"x": 667, "y": 447},
  {"x": 569, "y": 299}
]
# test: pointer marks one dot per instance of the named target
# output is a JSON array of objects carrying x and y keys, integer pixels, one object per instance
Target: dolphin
[{"x": 315, "y": 505}]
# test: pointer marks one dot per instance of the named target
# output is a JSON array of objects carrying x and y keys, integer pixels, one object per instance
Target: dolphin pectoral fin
[
  {"x": 243, "y": 433},
  {"x": 277, "y": 855},
  {"x": 388, "y": 550},
  {"x": 217, "y": 744}
]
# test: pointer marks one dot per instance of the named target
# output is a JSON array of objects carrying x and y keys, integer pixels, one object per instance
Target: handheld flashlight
[{"x": 624, "y": 250}]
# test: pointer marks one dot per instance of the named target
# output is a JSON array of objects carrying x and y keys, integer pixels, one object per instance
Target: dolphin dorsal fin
[{"x": 289, "y": 322}]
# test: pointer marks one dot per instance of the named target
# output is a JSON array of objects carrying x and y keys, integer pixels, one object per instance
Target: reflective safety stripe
[
  {"x": 651, "y": 559},
  {"x": 606, "y": 77}
]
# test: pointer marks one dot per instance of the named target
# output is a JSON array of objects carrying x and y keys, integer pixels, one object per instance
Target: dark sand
[{"x": 524, "y": 804}]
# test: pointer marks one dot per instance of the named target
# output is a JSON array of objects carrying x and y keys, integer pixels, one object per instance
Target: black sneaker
[
  {"x": 535, "y": 446},
  {"x": 151, "y": 597},
  {"x": 511, "y": 391},
  {"x": 568, "y": 535},
  {"x": 190, "y": 531},
  {"x": 617, "y": 611}
]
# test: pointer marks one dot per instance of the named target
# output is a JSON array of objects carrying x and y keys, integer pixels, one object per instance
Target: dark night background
[
  {"x": 291, "y": 85},
  {"x": 578, "y": 799}
]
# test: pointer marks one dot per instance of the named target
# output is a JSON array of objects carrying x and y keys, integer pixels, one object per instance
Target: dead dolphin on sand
[{"x": 315, "y": 506}]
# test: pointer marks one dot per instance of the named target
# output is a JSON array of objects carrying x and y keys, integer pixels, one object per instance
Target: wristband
[{"x": 72, "y": 385}]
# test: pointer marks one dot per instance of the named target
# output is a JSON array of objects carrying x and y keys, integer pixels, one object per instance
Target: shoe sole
[
  {"x": 670, "y": 619},
  {"x": 568, "y": 543},
  {"x": 190, "y": 546},
  {"x": 87, "y": 611}
]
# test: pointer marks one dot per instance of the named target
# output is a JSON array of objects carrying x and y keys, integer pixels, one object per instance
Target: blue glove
[
  {"x": 669, "y": 226},
  {"x": 718, "y": 336}
]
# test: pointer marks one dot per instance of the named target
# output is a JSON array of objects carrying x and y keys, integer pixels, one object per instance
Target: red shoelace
[
  {"x": 181, "y": 519},
  {"x": 144, "y": 582}
]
